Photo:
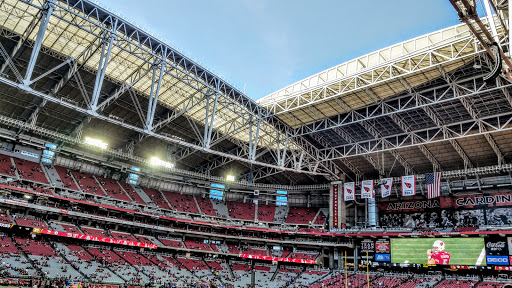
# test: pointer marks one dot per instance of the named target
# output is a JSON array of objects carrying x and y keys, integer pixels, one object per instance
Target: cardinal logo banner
[
  {"x": 349, "y": 191},
  {"x": 408, "y": 185},
  {"x": 335, "y": 201},
  {"x": 367, "y": 189},
  {"x": 385, "y": 188}
]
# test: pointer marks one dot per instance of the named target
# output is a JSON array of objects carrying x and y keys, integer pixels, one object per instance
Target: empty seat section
[
  {"x": 241, "y": 267},
  {"x": 304, "y": 256},
  {"x": 233, "y": 249},
  {"x": 87, "y": 183},
  {"x": 30, "y": 223},
  {"x": 491, "y": 284},
  {"x": 79, "y": 252},
  {"x": 7, "y": 246},
  {"x": 214, "y": 265},
  {"x": 241, "y": 210},
  {"x": 300, "y": 215},
  {"x": 206, "y": 206},
  {"x": 70, "y": 228},
  {"x": 6, "y": 167},
  {"x": 388, "y": 281},
  {"x": 113, "y": 189},
  {"x": 134, "y": 258},
  {"x": 157, "y": 198},
  {"x": 123, "y": 236},
  {"x": 451, "y": 283},
  {"x": 266, "y": 213},
  {"x": 172, "y": 243},
  {"x": 131, "y": 192},
  {"x": 320, "y": 219},
  {"x": 5, "y": 219},
  {"x": 66, "y": 178},
  {"x": 193, "y": 264},
  {"x": 181, "y": 202},
  {"x": 94, "y": 232},
  {"x": 106, "y": 256},
  {"x": 286, "y": 253},
  {"x": 30, "y": 171},
  {"x": 35, "y": 247},
  {"x": 148, "y": 239},
  {"x": 85, "y": 262},
  {"x": 252, "y": 251},
  {"x": 196, "y": 245}
]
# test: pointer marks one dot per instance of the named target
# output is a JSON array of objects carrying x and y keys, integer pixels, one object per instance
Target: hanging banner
[
  {"x": 408, "y": 185},
  {"x": 385, "y": 188},
  {"x": 367, "y": 189},
  {"x": 349, "y": 191},
  {"x": 335, "y": 202}
]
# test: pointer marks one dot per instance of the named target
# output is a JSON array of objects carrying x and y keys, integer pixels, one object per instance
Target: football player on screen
[{"x": 437, "y": 255}]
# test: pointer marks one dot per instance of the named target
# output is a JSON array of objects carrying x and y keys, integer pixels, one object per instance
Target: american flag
[{"x": 433, "y": 182}]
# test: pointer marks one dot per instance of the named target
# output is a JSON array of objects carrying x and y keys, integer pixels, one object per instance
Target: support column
[
  {"x": 153, "y": 97},
  {"x": 253, "y": 145},
  {"x": 253, "y": 275},
  {"x": 356, "y": 260},
  {"x": 490, "y": 20},
  {"x": 365, "y": 212},
  {"x": 372, "y": 213},
  {"x": 509, "y": 26},
  {"x": 331, "y": 257},
  {"x": 341, "y": 258},
  {"x": 45, "y": 19},
  {"x": 102, "y": 69},
  {"x": 355, "y": 214},
  {"x": 208, "y": 128}
]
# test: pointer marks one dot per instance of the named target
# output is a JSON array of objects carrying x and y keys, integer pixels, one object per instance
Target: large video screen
[{"x": 439, "y": 251}]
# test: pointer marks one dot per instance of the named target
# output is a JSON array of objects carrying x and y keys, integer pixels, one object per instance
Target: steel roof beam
[
  {"x": 19, "y": 44},
  {"x": 406, "y": 128},
  {"x": 153, "y": 97},
  {"x": 75, "y": 65},
  {"x": 102, "y": 69},
  {"x": 457, "y": 130},
  {"x": 46, "y": 12},
  {"x": 346, "y": 162},
  {"x": 128, "y": 83},
  {"x": 287, "y": 100},
  {"x": 144, "y": 131},
  {"x": 178, "y": 65},
  {"x": 440, "y": 94},
  {"x": 475, "y": 115},
  {"x": 439, "y": 123},
  {"x": 377, "y": 134}
]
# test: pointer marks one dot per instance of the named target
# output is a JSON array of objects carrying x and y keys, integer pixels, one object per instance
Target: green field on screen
[{"x": 463, "y": 251}]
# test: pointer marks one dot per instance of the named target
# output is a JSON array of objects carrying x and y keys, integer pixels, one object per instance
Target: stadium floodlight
[
  {"x": 95, "y": 142},
  {"x": 157, "y": 162},
  {"x": 230, "y": 178}
]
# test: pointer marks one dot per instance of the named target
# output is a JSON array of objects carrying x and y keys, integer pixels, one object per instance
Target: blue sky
[{"x": 269, "y": 44}]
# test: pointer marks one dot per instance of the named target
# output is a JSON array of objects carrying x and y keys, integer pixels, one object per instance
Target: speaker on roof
[{"x": 498, "y": 63}]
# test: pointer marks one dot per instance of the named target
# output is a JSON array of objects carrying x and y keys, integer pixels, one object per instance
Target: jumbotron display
[{"x": 439, "y": 251}]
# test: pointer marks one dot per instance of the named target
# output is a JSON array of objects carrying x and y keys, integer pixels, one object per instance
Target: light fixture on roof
[
  {"x": 155, "y": 161},
  {"x": 95, "y": 142},
  {"x": 230, "y": 178}
]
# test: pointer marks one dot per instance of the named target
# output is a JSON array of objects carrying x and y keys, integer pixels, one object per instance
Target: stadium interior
[{"x": 124, "y": 163}]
